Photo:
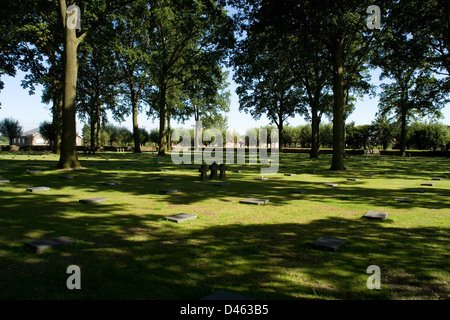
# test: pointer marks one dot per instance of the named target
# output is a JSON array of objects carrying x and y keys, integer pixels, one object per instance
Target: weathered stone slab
[
  {"x": 238, "y": 171},
  {"x": 352, "y": 179},
  {"x": 181, "y": 217},
  {"x": 261, "y": 178},
  {"x": 111, "y": 183},
  {"x": 311, "y": 171},
  {"x": 40, "y": 246},
  {"x": 326, "y": 243},
  {"x": 33, "y": 171},
  {"x": 225, "y": 295},
  {"x": 162, "y": 170},
  {"x": 369, "y": 175},
  {"x": 289, "y": 174},
  {"x": 168, "y": 191},
  {"x": 254, "y": 201},
  {"x": 8, "y": 168},
  {"x": 402, "y": 199},
  {"x": 69, "y": 177},
  {"x": 428, "y": 184},
  {"x": 119, "y": 173},
  {"x": 92, "y": 200},
  {"x": 222, "y": 184},
  {"x": 4, "y": 181},
  {"x": 417, "y": 190},
  {"x": 38, "y": 189},
  {"x": 300, "y": 191},
  {"x": 329, "y": 184},
  {"x": 376, "y": 215},
  {"x": 436, "y": 179}
]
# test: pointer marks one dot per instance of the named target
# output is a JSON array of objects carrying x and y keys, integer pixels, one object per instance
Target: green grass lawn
[{"x": 126, "y": 251}]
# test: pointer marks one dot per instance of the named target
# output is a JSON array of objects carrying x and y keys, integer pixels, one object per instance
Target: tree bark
[
  {"x": 315, "y": 122},
  {"x": 137, "y": 143},
  {"x": 69, "y": 156},
  {"x": 57, "y": 123},
  {"x": 337, "y": 162},
  {"x": 162, "y": 119},
  {"x": 403, "y": 133}
]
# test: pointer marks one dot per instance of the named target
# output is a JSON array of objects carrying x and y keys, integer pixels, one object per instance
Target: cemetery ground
[{"x": 126, "y": 250}]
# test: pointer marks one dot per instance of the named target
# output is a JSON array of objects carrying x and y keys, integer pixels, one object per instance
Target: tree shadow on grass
[{"x": 141, "y": 257}]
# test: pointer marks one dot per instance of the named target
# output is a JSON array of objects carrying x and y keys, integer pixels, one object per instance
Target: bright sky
[{"x": 30, "y": 111}]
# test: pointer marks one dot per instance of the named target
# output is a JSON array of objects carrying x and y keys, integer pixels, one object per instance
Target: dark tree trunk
[
  {"x": 69, "y": 156},
  {"x": 337, "y": 162}
]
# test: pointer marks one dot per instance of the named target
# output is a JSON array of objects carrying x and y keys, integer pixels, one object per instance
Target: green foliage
[
  {"x": 427, "y": 136},
  {"x": 47, "y": 130},
  {"x": 10, "y": 128}
]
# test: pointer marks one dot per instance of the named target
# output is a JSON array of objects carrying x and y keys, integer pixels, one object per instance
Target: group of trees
[
  {"x": 113, "y": 135},
  {"x": 309, "y": 58},
  {"x": 313, "y": 58},
  {"x": 124, "y": 57}
]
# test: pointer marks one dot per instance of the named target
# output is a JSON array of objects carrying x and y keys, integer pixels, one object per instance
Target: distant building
[{"x": 34, "y": 138}]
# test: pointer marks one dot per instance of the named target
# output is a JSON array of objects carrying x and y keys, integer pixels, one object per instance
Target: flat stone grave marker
[
  {"x": 402, "y": 199},
  {"x": 33, "y": 171},
  {"x": 163, "y": 170},
  {"x": 92, "y": 200},
  {"x": 168, "y": 191},
  {"x": 352, "y": 179},
  {"x": 67, "y": 177},
  {"x": 254, "y": 201},
  {"x": 326, "y": 243},
  {"x": 8, "y": 168},
  {"x": 417, "y": 190},
  {"x": 428, "y": 184},
  {"x": 4, "y": 181},
  {"x": 37, "y": 189},
  {"x": 119, "y": 173},
  {"x": 289, "y": 174},
  {"x": 261, "y": 178},
  {"x": 436, "y": 179},
  {"x": 376, "y": 215},
  {"x": 382, "y": 172},
  {"x": 164, "y": 178},
  {"x": 311, "y": 171},
  {"x": 328, "y": 184},
  {"x": 443, "y": 177},
  {"x": 222, "y": 184},
  {"x": 225, "y": 295},
  {"x": 40, "y": 246},
  {"x": 181, "y": 217},
  {"x": 111, "y": 183},
  {"x": 369, "y": 175},
  {"x": 300, "y": 191},
  {"x": 238, "y": 171}
]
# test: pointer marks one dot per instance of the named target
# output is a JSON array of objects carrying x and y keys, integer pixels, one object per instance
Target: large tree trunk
[
  {"x": 403, "y": 133},
  {"x": 337, "y": 162},
  {"x": 169, "y": 137},
  {"x": 98, "y": 121},
  {"x": 57, "y": 122},
  {"x": 93, "y": 121},
  {"x": 197, "y": 131},
  {"x": 162, "y": 120},
  {"x": 69, "y": 157},
  {"x": 137, "y": 143},
  {"x": 315, "y": 122}
]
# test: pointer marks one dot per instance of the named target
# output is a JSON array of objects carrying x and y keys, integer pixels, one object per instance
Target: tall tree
[
  {"x": 340, "y": 27},
  {"x": 188, "y": 35},
  {"x": 11, "y": 129},
  {"x": 404, "y": 58}
]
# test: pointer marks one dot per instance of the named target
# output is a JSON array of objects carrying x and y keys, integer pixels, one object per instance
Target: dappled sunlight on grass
[{"x": 126, "y": 251}]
